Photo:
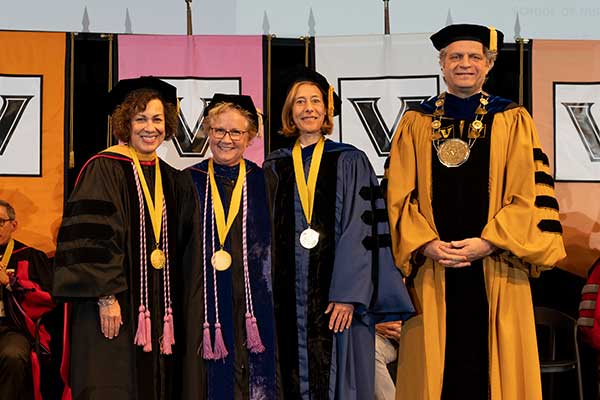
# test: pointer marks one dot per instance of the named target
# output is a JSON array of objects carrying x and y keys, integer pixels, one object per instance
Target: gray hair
[{"x": 9, "y": 209}]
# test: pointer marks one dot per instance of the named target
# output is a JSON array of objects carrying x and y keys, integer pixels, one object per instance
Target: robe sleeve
[
  {"x": 526, "y": 228},
  {"x": 409, "y": 228},
  {"x": 356, "y": 270},
  {"x": 93, "y": 236}
]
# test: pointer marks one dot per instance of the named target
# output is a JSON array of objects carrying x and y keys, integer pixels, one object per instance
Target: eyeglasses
[
  {"x": 4, "y": 221},
  {"x": 234, "y": 134}
]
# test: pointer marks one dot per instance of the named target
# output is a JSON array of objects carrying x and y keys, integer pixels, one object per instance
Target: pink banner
[{"x": 198, "y": 66}]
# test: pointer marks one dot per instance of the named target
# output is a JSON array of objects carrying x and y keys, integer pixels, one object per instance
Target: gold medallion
[
  {"x": 221, "y": 260},
  {"x": 435, "y": 124},
  {"x": 453, "y": 152},
  {"x": 158, "y": 259}
]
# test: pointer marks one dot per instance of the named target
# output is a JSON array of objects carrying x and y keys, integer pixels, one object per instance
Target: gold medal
[
  {"x": 453, "y": 152},
  {"x": 158, "y": 259},
  {"x": 436, "y": 124},
  {"x": 221, "y": 260},
  {"x": 309, "y": 238}
]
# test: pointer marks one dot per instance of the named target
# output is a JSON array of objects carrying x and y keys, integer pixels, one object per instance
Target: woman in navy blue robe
[
  {"x": 329, "y": 297},
  {"x": 230, "y": 346}
]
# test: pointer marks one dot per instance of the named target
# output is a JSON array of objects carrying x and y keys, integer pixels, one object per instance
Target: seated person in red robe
[{"x": 25, "y": 279}]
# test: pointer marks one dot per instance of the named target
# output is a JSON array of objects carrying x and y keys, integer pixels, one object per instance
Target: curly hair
[
  {"x": 222, "y": 107},
  {"x": 288, "y": 127},
  {"x": 136, "y": 102}
]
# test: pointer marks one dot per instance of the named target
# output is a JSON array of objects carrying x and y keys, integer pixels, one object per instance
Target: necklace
[{"x": 453, "y": 152}]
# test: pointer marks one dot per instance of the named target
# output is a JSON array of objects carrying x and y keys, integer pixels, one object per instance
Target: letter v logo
[
  {"x": 581, "y": 115},
  {"x": 10, "y": 114},
  {"x": 186, "y": 140},
  {"x": 374, "y": 124}
]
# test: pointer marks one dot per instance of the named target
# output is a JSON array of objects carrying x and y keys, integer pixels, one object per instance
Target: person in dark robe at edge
[
  {"x": 333, "y": 274},
  {"x": 231, "y": 346},
  {"x": 124, "y": 247},
  {"x": 472, "y": 215},
  {"x": 25, "y": 282}
]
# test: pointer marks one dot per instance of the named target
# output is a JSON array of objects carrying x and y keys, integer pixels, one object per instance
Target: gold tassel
[
  {"x": 493, "y": 39},
  {"x": 330, "y": 105},
  {"x": 260, "y": 127}
]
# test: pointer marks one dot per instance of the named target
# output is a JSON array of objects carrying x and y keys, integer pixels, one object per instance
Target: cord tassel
[
  {"x": 220, "y": 351},
  {"x": 253, "y": 341},
  {"x": 207, "y": 352},
  {"x": 168, "y": 339},
  {"x": 148, "y": 323},
  {"x": 140, "y": 335}
]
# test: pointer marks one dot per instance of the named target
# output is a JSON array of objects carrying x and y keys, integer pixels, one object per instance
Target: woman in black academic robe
[{"x": 123, "y": 249}]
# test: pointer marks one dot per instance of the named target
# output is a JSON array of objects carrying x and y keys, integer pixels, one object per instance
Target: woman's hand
[
  {"x": 110, "y": 316},
  {"x": 341, "y": 316}
]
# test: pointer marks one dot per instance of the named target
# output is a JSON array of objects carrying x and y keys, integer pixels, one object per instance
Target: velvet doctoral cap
[
  {"x": 488, "y": 36},
  {"x": 239, "y": 100},
  {"x": 300, "y": 73},
  {"x": 124, "y": 87}
]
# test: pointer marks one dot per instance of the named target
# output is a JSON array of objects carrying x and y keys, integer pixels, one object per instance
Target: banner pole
[
  {"x": 269, "y": 61},
  {"x": 521, "y": 43},
  {"x": 110, "y": 86},
  {"x": 189, "y": 17},
  {"x": 71, "y": 100},
  {"x": 386, "y": 17}
]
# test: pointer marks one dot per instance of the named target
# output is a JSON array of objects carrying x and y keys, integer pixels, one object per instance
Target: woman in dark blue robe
[
  {"x": 328, "y": 295},
  {"x": 230, "y": 343}
]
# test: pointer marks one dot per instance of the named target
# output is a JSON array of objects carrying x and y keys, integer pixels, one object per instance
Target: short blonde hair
[
  {"x": 223, "y": 107},
  {"x": 288, "y": 127}
]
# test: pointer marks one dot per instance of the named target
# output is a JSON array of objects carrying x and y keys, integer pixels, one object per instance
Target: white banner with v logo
[{"x": 378, "y": 78}]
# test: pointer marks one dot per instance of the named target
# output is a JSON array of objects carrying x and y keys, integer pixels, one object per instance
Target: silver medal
[{"x": 309, "y": 238}]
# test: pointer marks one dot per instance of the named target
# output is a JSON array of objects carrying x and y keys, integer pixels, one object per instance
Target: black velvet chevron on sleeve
[
  {"x": 546, "y": 202},
  {"x": 550, "y": 225},
  {"x": 542, "y": 178},
  {"x": 539, "y": 155}
]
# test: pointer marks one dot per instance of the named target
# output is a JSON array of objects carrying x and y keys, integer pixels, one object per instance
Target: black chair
[{"x": 557, "y": 346}]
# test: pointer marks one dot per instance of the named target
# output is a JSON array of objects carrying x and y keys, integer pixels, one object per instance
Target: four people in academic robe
[{"x": 228, "y": 281}]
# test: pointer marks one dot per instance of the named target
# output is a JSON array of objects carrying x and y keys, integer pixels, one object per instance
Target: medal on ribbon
[
  {"x": 155, "y": 208},
  {"x": 306, "y": 189},
  {"x": 221, "y": 259}
]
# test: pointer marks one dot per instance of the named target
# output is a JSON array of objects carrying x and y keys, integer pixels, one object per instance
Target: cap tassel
[
  {"x": 330, "y": 105},
  {"x": 493, "y": 39},
  {"x": 261, "y": 128}
]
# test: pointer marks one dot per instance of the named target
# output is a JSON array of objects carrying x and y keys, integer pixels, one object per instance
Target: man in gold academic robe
[{"x": 472, "y": 216}]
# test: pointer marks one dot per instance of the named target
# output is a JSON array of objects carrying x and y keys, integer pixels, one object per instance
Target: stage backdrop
[
  {"x": 377, "y": 78},
  {"x": 198, "y": 66},
  {"x": 32, "y": 98},
  {"x": 566, "y": 109}
]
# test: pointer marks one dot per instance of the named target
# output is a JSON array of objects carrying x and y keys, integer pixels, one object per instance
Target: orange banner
[
  {"x": 566, "y": 109},
  {"x": 32, "y": 98}
]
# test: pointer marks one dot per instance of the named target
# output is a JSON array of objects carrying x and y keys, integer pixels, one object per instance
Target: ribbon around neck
[
  {"x": 306, "y": 190},
  {"x": 154, "y": 207},
  {"x": 223, "y": 227},
  {"x": 6, "y": 256}
]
